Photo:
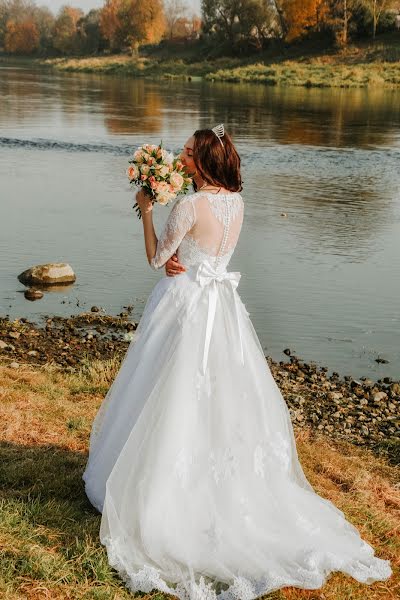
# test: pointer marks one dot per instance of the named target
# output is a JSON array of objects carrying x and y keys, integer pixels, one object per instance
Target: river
[{"x": 324, "y": 280}]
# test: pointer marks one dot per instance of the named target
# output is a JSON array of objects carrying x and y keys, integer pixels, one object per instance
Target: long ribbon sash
[{"x": 209, "y": 278}]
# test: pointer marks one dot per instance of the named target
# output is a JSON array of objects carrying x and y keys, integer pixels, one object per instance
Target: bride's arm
[
  {"x": 150, "y": 238},
  {"x": 180, "y": 221}
]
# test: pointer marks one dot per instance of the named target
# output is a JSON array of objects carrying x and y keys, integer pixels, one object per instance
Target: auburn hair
[{"x": 218, "y": 165}]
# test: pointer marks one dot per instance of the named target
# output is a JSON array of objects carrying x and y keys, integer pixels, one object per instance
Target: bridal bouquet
[{"x": 159, "y": 173}]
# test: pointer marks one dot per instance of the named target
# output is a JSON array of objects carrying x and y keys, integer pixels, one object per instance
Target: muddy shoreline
[{"x": 361, "y": 411}]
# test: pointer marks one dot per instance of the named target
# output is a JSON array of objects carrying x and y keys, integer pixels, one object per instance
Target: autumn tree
[
  {"x": 65, "y": 33},
  {"x": 131, "y": 23},
  {"x": 110, "y": 23},
  {"x": 175, "y": 14},
  {"x": 15, "y": 11},
  {"x": 186, "y": 27},
  {"x": 21, "y": 37},
  {"x": 303, "y": 16}
]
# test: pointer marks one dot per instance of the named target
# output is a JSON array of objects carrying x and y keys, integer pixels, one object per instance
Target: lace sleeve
[{"x": 180, "y": 220}]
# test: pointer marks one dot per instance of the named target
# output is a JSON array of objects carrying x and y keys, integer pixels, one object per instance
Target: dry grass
[{"x": 49, "y": 533}]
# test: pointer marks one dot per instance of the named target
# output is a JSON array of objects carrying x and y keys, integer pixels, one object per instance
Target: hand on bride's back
[{"x": 173, "y": 267}]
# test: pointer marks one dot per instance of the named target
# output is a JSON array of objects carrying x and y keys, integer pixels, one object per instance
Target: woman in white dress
[{"x": 193, "y": 461}]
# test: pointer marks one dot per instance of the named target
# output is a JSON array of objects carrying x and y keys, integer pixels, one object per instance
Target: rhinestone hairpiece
[{"x": 219, "y": 132}]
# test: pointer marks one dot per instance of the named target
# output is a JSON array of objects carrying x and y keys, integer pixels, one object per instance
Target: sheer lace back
[{"x": 201, "y": 226}]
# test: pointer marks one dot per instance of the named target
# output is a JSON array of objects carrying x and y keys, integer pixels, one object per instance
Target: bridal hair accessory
[{"x": 219, "y": 132}]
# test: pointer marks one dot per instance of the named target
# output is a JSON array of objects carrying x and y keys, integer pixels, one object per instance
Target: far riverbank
[
  {"x": 364, "y": 65},
  {"x": 357, "y": 66}
]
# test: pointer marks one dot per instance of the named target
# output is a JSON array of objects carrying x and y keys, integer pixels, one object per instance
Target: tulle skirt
[{"x": 195, "y": 470}]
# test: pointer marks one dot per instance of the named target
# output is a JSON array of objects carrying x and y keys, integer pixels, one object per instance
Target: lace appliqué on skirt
[{"x": 317, "y": 568}]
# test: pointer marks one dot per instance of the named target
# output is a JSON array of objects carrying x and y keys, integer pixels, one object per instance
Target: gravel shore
[{"x": 361, "y": 411}]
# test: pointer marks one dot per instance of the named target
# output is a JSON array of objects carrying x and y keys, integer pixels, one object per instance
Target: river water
[{"x": 323, "y": 281}]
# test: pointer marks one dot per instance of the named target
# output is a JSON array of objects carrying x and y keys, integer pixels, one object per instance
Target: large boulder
[{"x": 51, "y": 273}]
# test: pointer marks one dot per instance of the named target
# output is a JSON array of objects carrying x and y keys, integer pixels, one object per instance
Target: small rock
[
  {"x": 14, "y": 334},
  {"x": 32, "y": 353},
  {"x": 381, "y": 360},
  {"x": 395, "y": 389},
  {"x": 368, "y": 383},
  {"x": 287, "y": 351},
  {"x": 380, "y": 396},
  {"x": 3, "y": 345},
  {"x": 95, "y": 309},
  {"x": 14, "y": 365},
  {"x": 32, "y": 294}
]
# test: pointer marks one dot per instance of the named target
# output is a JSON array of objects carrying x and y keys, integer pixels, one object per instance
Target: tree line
[
  {"x": 232, "y": 25},
  {"x": 258, "y": 22}
]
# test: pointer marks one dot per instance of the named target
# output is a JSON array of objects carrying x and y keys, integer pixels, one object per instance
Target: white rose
[
  {"x": 167, "y": 157},
  {"x": 164, "y": 197},
  {"x": 163, "y": 170}
]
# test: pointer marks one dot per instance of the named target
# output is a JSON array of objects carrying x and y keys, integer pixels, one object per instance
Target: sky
[{"x": 86, "y": 5}]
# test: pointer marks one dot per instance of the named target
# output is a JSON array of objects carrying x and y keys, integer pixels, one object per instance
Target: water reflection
[
  {"x": 321, "y": 280},
  {"x": 309, "y": 117}
]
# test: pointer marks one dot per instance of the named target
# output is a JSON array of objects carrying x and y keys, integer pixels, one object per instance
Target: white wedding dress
[{"x": 193, "y": 461}]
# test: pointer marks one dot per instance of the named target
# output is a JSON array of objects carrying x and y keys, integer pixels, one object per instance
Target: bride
[{"x": 192, "y": 460}]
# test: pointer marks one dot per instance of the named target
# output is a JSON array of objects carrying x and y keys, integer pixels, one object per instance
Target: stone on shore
[
  {"x": 32, "y": 294},
  {"x": 50, "y": 273}
]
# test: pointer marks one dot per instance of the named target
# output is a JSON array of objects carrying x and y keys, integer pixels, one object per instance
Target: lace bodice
[{"x": 201, "y": 226}]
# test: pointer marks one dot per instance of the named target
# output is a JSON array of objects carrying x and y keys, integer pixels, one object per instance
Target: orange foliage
[
  {"x": 148, "y": 21},
  {"x": 22, "y": 37},
  {"x": 130, "y": 23},
  {"x": 110, "y": 23},
  {"x": 303, "y": 15},
  {"x": 185, "y": 27}
]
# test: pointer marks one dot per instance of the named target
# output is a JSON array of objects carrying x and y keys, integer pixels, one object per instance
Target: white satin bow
[{"x": 206, "y": 275}]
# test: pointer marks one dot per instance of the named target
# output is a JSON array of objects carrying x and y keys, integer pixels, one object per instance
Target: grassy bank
[
  {"x": 363, "y": 65},
  {"x": 49, "y": 532}
]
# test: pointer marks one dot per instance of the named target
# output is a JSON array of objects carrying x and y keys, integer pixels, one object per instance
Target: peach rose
[
  {"x": 145, "y": 169},
  {"x": 153, "y": 182},
  {"x": 132, "y": 172},
  {"x": 176, "y": 181},
  {"x": 162, "y": 187},
  {"x": 138, "y": 156}
]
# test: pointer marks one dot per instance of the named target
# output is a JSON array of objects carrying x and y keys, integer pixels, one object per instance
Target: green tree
[
  {"x": 376, "y": 9},
  {"x": 239, "y": 22},
  {"x": 91, "y": 38},
  {"x": 44, "y": 20},
  {"x": 65, "y": 32}
]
